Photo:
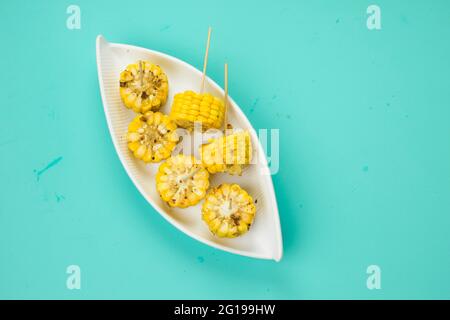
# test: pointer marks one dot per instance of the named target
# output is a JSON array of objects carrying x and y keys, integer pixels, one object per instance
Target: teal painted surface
[{"x": 365, "y": 154}]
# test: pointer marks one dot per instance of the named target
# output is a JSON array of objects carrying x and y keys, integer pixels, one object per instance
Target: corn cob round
[
  {"x": 143, "y": 87},
  {"x": 228, "y": 153},
  {"x": 228, "y": 211},
  {"x": 190, "y": 107},
  {"x": 182, "y": 181},
  {"x": 152, "y": 136}
]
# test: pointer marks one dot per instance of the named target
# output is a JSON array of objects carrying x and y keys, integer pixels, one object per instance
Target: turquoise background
[{"x": 365, "y": 156}]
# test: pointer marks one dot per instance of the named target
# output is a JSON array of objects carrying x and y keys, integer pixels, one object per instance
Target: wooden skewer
[
  {"x": 225, "y": 102},
  {"x": 205, "y": 60}
]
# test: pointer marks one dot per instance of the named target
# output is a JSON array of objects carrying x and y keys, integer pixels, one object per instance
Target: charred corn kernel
[
  {"x": 228, "y": 211},
  {"x": 182, "y": 181},
  {"x": 190, "y": 107},
  {"x": 152, "y": 136},
  {"x": 228, "y": 153},
  {"x": 143, "y": 86}
]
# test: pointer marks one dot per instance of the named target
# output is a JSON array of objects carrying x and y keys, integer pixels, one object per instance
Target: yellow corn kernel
[
  {"x": 182, "y": 181},
  {"x": 228, "y": 211},
  {"x": 229, "y": 153},
  {"x": 143, "y": 87},
  {"x": 190, "y": 107},
  {"x": 152, "y": 136}
]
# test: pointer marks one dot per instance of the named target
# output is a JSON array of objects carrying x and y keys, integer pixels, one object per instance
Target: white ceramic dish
[{"x": 264, "y": 239}]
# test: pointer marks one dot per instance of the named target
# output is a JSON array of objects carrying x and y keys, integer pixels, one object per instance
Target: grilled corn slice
[
  {"x": 152, "y": 136},
  {"x": 143, "y": 87},
  {"x": 228, "y": 211},
  {"x": 228, "y": 153},
  {"x": 182, "y": 181},
  {"x": 190, "y": 107}
]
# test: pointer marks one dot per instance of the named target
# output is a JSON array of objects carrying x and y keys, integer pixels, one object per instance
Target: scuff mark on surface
[
  {"x": 47, "y": 167},
  {"x": 166, "y": 27},
  {"x": 255, "y": 102},
  {"x": 59, "y": 197}
]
